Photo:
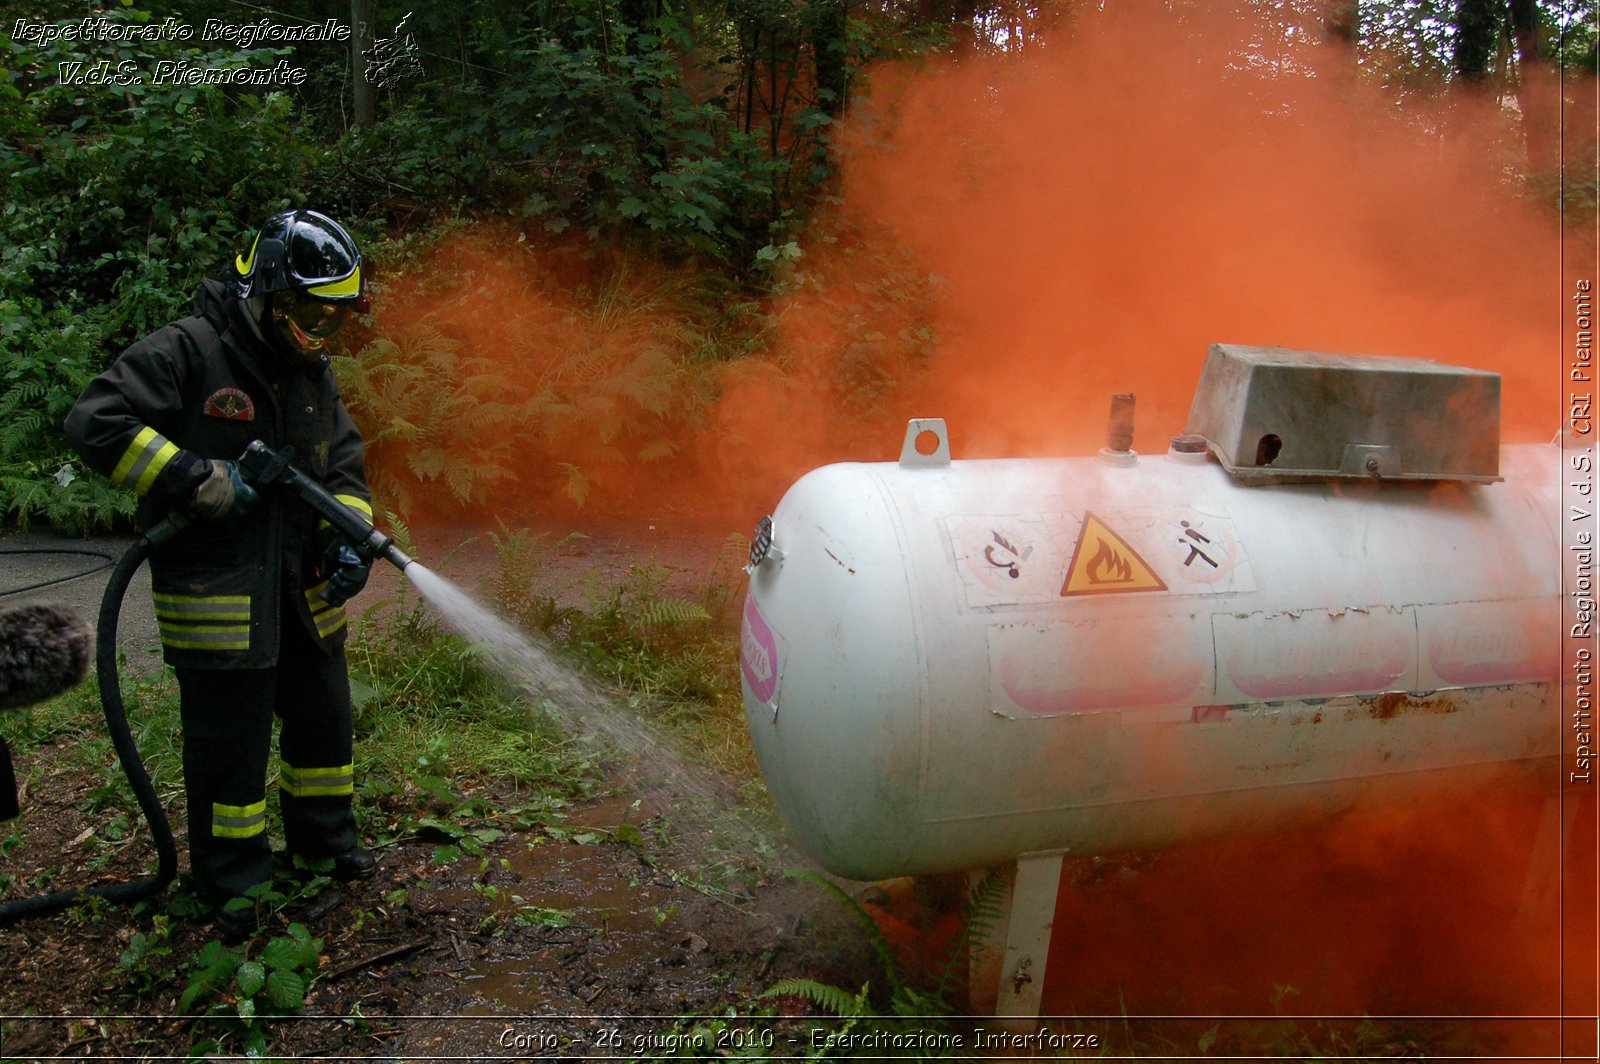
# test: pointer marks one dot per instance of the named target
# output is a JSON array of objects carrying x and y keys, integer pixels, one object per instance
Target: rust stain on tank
[{"x": 1394, "y": 703}]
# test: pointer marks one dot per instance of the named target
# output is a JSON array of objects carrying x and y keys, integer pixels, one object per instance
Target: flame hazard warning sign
[{"x": 1102, "y": 564}]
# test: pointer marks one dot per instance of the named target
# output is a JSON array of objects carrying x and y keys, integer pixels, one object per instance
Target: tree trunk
[
  {"x": 1477, "y": 32},
  {"x": 829, "y": 29},
  {"x": 1341, "y": 20},
  {"x": 363, "y": 97},
  {"x": 1537, "y": 86}
]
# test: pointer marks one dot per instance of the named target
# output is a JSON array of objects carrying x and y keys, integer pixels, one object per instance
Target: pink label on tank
[
  {"x": 758, "y": 653},
  {"x": 1483, "y": 643},
  {"x": 1091, "y": 666},
  {"x": 1317, "y": 669},
  {"x": 1315, "y": 653},
  {"x": 1046, "y": 687}
]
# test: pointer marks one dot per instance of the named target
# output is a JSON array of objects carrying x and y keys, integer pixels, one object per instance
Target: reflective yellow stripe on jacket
[
  {"x": 143, "y": 461},
  {"x": 328, "y": 619},
  {"x": 356, "y": 503},
  {"x": 204, "y": 622},
  {"x": 314, "y": 782}
]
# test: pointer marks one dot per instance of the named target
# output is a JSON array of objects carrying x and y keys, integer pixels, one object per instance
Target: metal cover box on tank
[{"x": 1277, "y": 414}]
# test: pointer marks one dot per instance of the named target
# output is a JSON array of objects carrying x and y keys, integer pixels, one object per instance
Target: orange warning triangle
[{"x": 1103, "y": 564}]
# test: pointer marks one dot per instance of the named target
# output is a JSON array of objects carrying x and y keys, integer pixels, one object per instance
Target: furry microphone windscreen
[{"x": 45, "y": 649}]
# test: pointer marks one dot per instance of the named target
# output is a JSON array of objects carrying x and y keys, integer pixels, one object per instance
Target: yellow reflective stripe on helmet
[
  {"x": 143, "y": 461},
  {"x": 327, "y": 618},
  {"x": 200, "y": 622},
  {"x": 316, "y": 782},
  {"x": 350, "y": 286},
  {"x": 238, "y": 821},
  {"x": 246, "y": 265}
]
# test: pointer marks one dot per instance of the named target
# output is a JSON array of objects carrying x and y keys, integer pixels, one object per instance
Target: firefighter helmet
[{"x": 303, "y": 252}]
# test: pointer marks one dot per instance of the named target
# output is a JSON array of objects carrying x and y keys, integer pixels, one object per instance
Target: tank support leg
[{"x": 1008, "y": 959}]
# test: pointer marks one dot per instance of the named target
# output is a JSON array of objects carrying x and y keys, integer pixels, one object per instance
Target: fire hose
[{"x": 260, "y": 467}]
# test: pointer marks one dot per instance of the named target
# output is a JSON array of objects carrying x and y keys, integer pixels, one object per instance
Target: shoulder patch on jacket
[{"x": 230, "y": 403}]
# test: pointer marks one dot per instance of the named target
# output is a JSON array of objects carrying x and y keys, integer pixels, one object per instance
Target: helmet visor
[
  {"x": 313, "y": 317},
  {"x": 318, "y": 254}
]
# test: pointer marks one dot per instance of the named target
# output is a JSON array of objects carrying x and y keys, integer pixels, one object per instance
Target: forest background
[{"x": 638, "y": 248}]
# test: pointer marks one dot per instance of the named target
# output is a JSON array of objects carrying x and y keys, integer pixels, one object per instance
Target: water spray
[
  {"x": 513, "y": 654},
  {"x": 518, "y": 657}
]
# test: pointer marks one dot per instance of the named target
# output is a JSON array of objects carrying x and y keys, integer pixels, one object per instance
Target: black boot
[
  {"x": 235, "y": 925},
  {"x": 355, "y": 863}
]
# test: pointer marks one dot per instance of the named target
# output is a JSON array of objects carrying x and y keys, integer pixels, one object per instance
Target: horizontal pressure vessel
[{"x": 950, "y": 663}]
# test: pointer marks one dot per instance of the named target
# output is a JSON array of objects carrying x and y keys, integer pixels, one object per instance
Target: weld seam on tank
[
  {"x": 918, "y": 641},
  {"x": 1319, "y": 781}
]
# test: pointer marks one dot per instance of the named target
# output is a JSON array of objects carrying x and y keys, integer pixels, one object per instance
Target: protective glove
[
  {"x": 223, "y": 495},
  {"x": 347, "y": 573}
]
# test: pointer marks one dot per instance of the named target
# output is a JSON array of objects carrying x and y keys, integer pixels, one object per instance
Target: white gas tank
[{"x": 950, "y": 663}]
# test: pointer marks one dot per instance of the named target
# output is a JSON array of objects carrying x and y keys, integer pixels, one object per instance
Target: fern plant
[
  {"x": 432, "y": 416},
  {"x": 981, "y": 912},
  {"x": 614, "y": 369},
  {"x": 642, "y": 612},
  {"x": 47, "y": 359},
  {"x": 982, "y": 909},
  {"x": 831, "y": 999},
  {"x": 874, "y": 934},
  {"x": 903, "y": 1005},
  {"x": 521, "y": 554}
]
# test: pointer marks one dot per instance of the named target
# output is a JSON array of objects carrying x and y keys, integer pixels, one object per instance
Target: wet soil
[
  {"x": 576, "y": 940},
  {"x": 548, "y": 945}
]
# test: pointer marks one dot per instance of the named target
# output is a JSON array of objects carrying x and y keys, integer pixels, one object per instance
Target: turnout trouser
[{"x": 227, "y": 740}]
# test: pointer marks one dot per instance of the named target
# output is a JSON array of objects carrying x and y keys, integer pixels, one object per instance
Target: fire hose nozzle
[{"x": 264, "y": 467}]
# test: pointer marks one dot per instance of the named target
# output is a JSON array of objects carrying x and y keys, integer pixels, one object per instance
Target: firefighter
[{"x": 250, "y": 599}]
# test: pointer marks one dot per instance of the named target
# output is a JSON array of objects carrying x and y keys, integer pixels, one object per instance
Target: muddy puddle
[{"x": 579, "y": 915}]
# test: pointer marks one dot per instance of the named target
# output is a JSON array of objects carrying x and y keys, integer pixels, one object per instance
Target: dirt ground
[
  {"x": 428, "y": 960},
  {"x": 1412, "y": 912}
]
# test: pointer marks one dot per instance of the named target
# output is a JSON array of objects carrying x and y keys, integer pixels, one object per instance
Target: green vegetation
[
  {"x": 245, "y": 989},
  {"x": 694, "y": 138},
  {"x": 578, "y": 217},
  {"x": 445, "y": 752},
  {"x": 649, "y": 177}
]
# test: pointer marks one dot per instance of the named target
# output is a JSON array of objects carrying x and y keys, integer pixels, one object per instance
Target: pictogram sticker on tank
[
  {"x": 1035, "y": 559},
  {"x": 1104, "y": 564},
  {"x": 1205, "y": 550},
  {"x": 1003, "y": 559}
]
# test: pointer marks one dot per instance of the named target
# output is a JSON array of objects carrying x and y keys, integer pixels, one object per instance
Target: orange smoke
[
  {"x": 1440, "y": 919},
  {"x": 505, "y": 378},
  {"x": 1088, "y": 217},
  {"x": 1085, "y": 219},
  {"x": 1021, "y": 237}
]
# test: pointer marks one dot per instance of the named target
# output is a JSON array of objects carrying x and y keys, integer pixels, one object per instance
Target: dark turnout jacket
[{"x": 203, "y": 388}]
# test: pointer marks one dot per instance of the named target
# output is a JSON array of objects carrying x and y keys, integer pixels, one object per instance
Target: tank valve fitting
[{"x": 1119, "y": 431}]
